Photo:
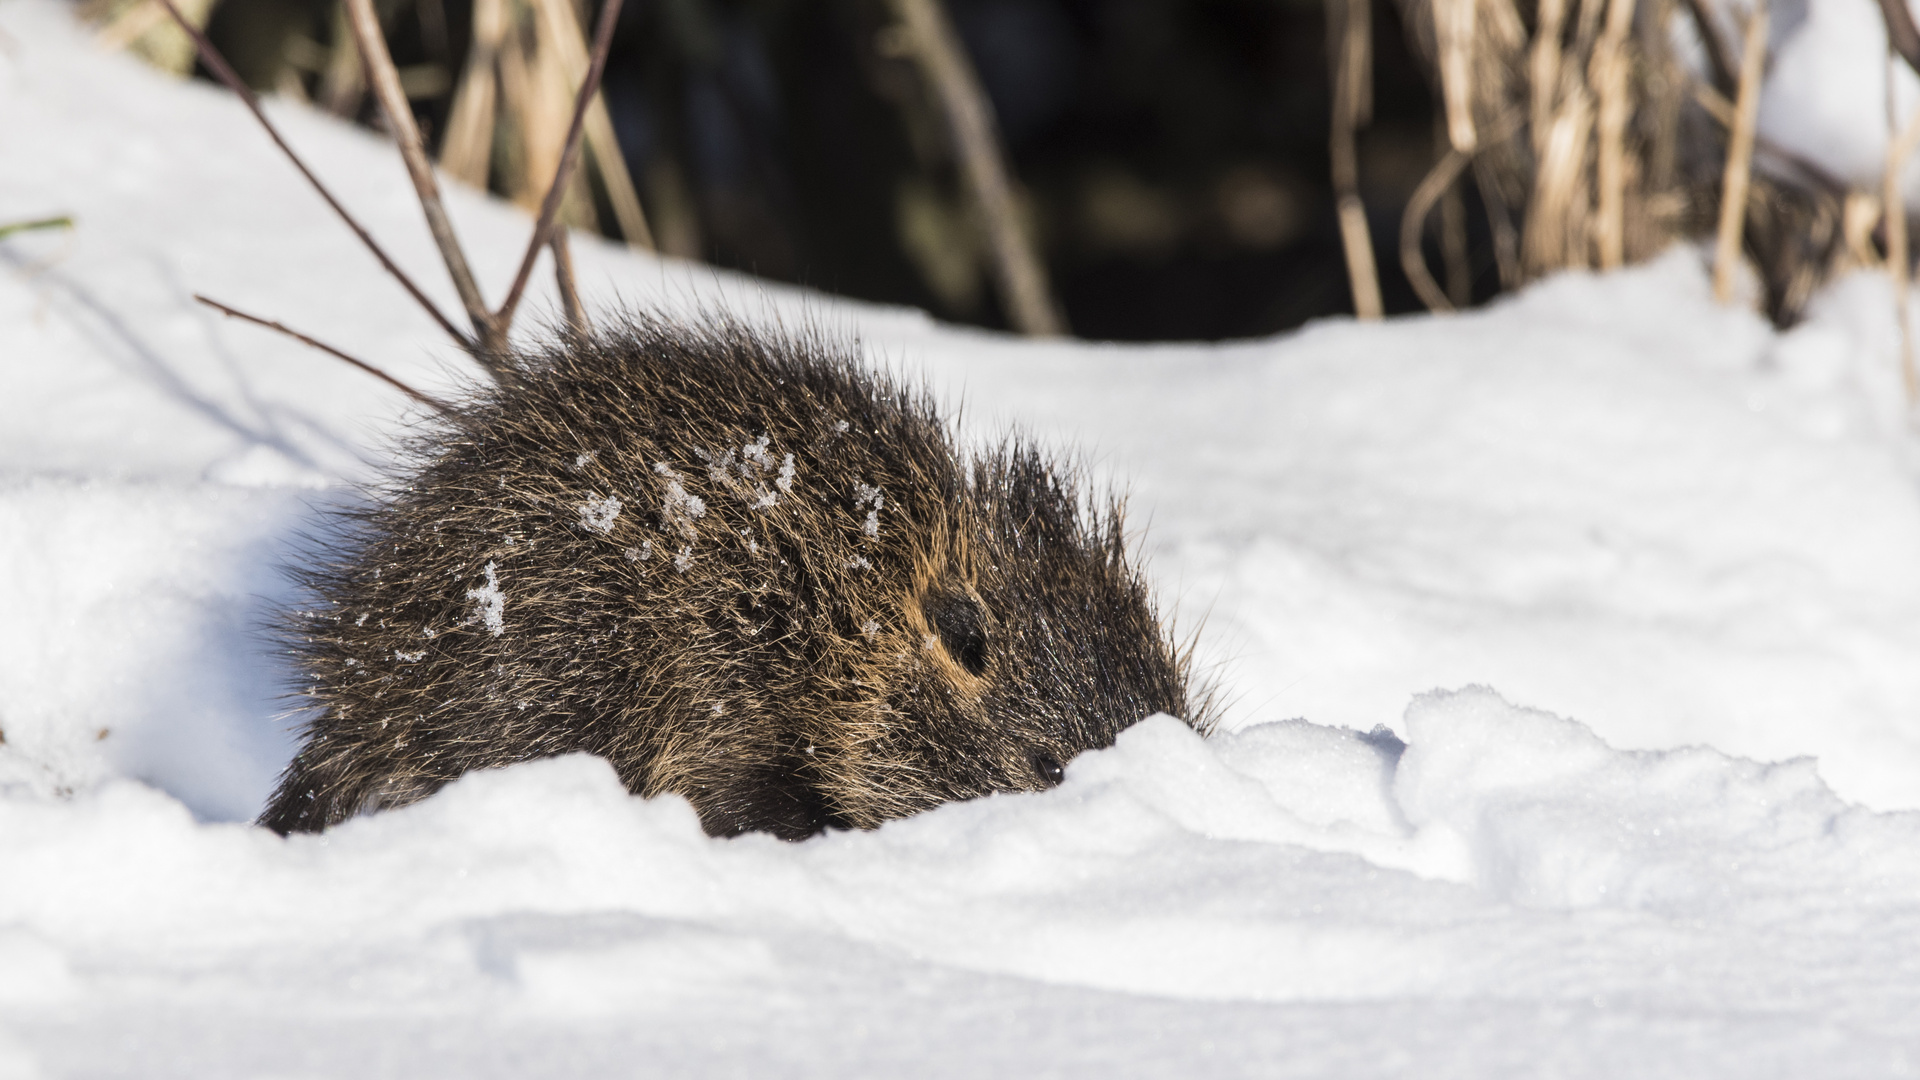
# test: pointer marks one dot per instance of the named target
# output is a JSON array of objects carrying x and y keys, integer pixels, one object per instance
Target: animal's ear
[{"x": 960, "y": 620}]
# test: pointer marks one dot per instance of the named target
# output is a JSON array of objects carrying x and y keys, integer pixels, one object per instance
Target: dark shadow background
[{"x": 1174, "y": 152}]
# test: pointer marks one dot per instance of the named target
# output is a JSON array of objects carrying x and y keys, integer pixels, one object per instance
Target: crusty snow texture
[{"x": 1569, "y": 646}]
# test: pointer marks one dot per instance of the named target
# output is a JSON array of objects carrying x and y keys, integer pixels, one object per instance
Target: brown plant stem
[
  {"x": 569, "y": 157},
  {"x": 1348, "y": 25},
  {"x": 1018, "y": 269},
  {"x": 569, "y": 40},
  {"x": 1899, "y": 257},
  {"x": 424, "y": 399},
  {"x": 385, "y": 79},
  {"x": 225, "y": 73},
  {"x": 1739, "y": 170},
  {"x": 465, "y": 151}
]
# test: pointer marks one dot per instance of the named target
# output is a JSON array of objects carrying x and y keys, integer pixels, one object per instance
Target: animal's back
[{"x": 738, "y": 567}]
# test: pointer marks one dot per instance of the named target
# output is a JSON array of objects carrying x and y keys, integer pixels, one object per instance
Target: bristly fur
[{"x": 740, "y": 568}]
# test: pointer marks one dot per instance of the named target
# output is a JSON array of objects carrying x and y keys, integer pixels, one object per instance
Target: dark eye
[
  {"x": 962, "y": 630},
  {"x": 1048, "y": 767}
]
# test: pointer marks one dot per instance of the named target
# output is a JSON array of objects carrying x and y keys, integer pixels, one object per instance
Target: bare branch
[
  {"x": 1021, "y": 275},
  {"x": 569, "y": 158},
  {"x": 225, "y": 73},
  {"x": 424, "y": 399},
  {"x": 393, "y": 103}
]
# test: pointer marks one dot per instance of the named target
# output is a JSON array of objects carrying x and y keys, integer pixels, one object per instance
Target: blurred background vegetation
[
  {"x": 1171, "y": 157},
  {"x": 1172, "y": 153}
]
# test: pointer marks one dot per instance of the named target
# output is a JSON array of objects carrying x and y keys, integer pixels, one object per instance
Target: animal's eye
[
  {"x": 1049, "y": 767},
  {"x": 963, "y": 630}
]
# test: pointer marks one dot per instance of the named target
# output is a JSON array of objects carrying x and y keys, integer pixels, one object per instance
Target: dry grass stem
[
  {"x": 466, "y": 152},
  {"x": 225, "y": 73},
  {"x": 1739, "y": 167},
  {"x": 399, "y": 113},
  {"x": 425, "y": 399},
  {"x": 344, "y": 83},
  {"x": 1018, "y": 269},
  {"x": 1347, "y": 22},
  {"x": 569, "y": 157},
  {"x": 1413, "y": 223},
  {"x": 1454, "y": 30},
  {"x": 1899, "y": 259},
  {"x": 130, "y": 25},
  {"x": 1610, "y": 63},
  {"x": 569, "y": 39}
]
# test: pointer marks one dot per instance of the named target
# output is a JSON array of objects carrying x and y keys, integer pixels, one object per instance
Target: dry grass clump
[{"x": 1592, "y": 145}]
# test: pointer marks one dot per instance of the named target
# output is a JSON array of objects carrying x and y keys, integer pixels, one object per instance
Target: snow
[{"x": 1572, "y": 724}]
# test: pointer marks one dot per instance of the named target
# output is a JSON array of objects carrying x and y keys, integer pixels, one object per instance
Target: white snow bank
[
  {"x": 1605, "y": 887},
  {"x": 1607, "y": 498}
]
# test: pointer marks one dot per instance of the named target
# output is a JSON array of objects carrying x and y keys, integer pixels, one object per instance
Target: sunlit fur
[{"x": 860, "y": 631}]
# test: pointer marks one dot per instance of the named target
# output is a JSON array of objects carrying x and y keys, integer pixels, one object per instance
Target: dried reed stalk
[
  {"x": 466, "y": 153},
  {"x": 343, "y": 84},
  {"x": 1900, "y": 148},
  {"x": 1349, "y": 30},
  {"x": 1432, "y": 189},
  {"x": 563, "y": 29},
  {"x": 1413, "y": 222},
  {"x": 1739, "y": 167},
  {"x": 1453, "y": 22},
  {"x": 399, "y": 113},
  {"x": 569, "y": 157},
  {"x": 1555, "y": 235},
  {"x": 1609, "y": 76},
  {"x": 1018, "y": 269}
]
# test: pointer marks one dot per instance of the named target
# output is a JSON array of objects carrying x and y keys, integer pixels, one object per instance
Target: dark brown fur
[{"x": 807, "y": 610}]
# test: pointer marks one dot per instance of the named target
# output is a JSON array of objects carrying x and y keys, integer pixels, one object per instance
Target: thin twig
[
  {"x": 1739, "y": 171},
  {"x": 569, "y": 157},
  {"x": 424, "y": 399},
  {"x": 1018, "y": 269},
  {"x": 563, "y": 276},
  {"x": 1348, "y": 29},
  {"x": 217, "y": 64},
  {"x": 385, "y": 79}
]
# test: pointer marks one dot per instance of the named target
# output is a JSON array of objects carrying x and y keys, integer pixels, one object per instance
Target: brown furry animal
[{"x": 739, "y": 568}]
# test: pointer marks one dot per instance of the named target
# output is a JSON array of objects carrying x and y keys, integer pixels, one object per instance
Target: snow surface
[{"x": 1676, "y": 839}]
